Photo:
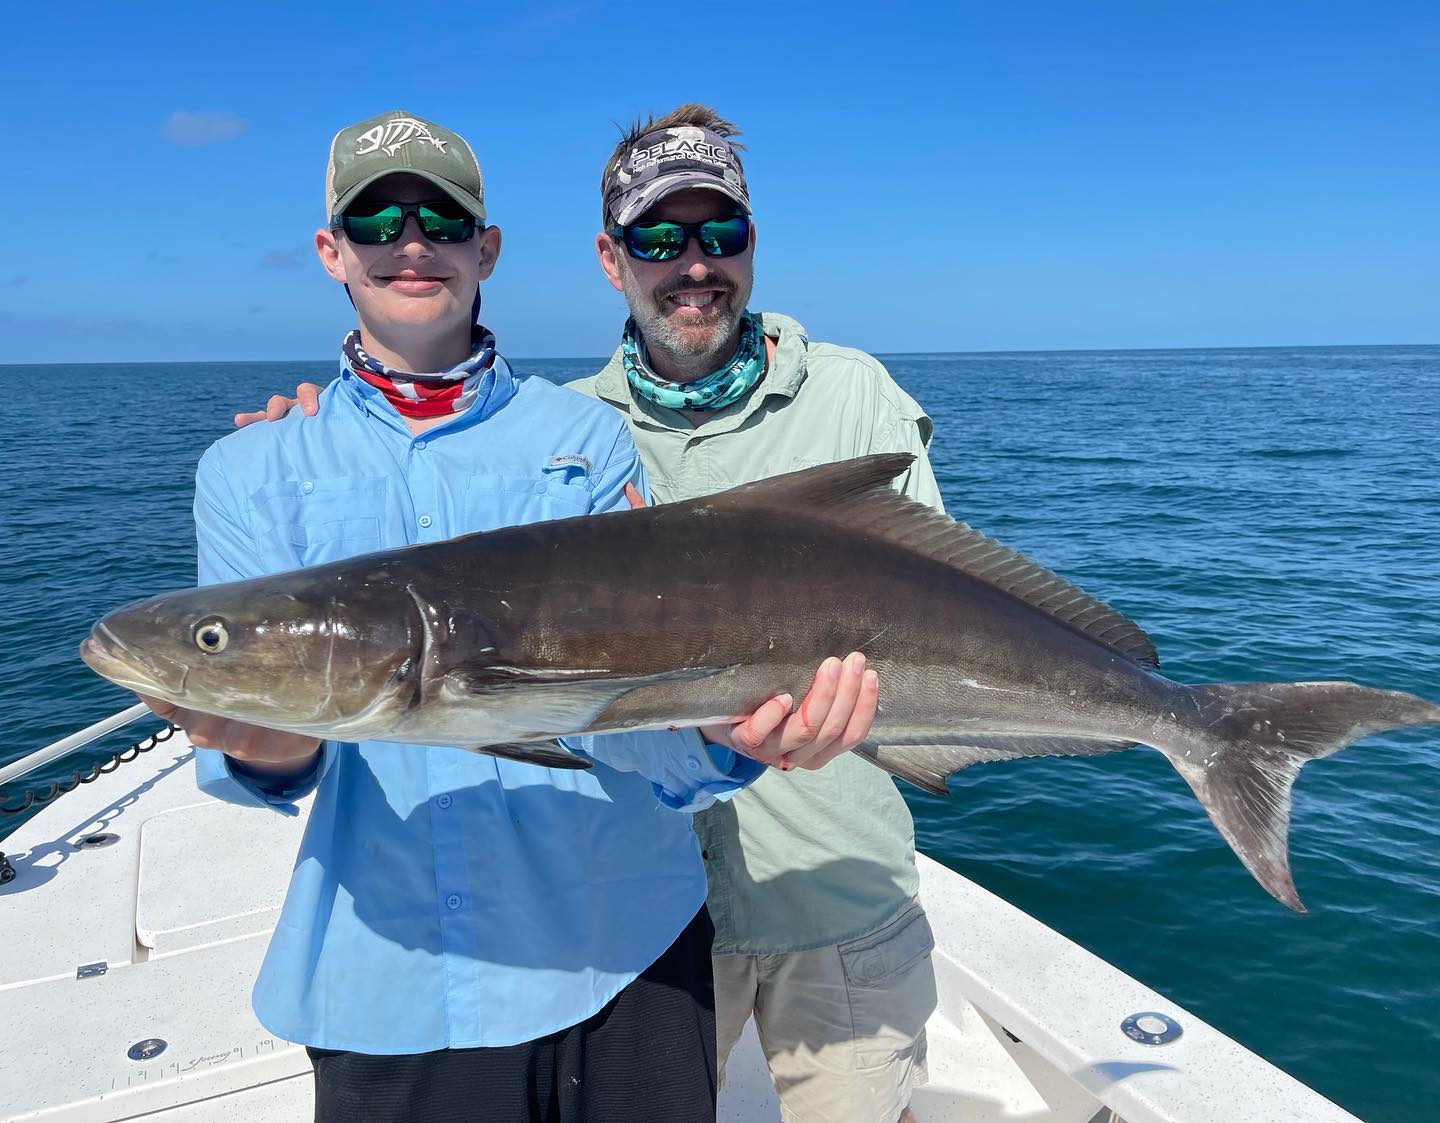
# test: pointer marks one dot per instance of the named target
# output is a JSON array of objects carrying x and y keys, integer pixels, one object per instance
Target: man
[
  {"x": 812, "y": 884},
  {"x": 462, "y": 930},
  {"x": 819, "y": 936}
]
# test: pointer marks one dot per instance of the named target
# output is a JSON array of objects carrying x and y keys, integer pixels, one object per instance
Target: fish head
[{"x": 324, "y": 655}]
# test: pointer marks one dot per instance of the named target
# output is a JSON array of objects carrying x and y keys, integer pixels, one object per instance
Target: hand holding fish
[
  {"x": 834, "y": 718},
  {"x": 262, "y": 749}
]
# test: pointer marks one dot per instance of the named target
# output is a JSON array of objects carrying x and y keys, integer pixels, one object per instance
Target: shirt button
[
  {"x": 307, "y": 487},
  {"x": 692, "y": 763},
  {"x": 420, "y": 444},
  {"x": 705, "y": 854},
  {"x": 426, "y": 520},
  {"x": 445, "y": 800},
  {"x": 452, "y": 902}
]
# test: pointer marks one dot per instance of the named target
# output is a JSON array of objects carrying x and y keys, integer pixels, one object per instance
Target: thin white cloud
[
  {"x": 543, "y": 19},
  {"x": 284, "y": 259},
  {"x": 191, "y": 129}
]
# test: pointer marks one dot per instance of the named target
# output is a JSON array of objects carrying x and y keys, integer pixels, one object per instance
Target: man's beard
[{"x": 708, "y": 336}]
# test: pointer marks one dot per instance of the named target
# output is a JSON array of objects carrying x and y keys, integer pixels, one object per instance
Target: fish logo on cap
[
  {"x": 397, "y": 141},
  {"x": 394, "y": 135}
]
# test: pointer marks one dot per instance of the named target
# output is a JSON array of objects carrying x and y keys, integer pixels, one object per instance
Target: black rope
[{"x": 56, "y": 788}]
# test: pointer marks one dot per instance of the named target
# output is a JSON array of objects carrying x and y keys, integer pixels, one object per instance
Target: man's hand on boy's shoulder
[{"x": 307, "y": 397}]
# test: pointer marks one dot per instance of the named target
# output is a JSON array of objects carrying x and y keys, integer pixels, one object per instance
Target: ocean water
[{"x": 1264, "y": 514}]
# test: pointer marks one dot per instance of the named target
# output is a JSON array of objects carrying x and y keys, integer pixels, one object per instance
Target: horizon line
[{"x": 879, "y": 354}]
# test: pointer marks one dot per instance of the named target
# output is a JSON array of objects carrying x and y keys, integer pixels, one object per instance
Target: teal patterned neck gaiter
[{"x": 715, "y": 391}]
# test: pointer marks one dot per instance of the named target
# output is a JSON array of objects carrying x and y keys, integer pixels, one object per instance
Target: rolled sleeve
[
  {"x": 217, "y": 775},
  {"x": 687, "y": 773}
]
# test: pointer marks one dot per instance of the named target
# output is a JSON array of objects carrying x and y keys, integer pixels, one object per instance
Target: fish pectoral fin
[
  {"x": 550, "y": 702},
  {"x": 928, "y": 765},
  {"x": 547, "y": 754},
  {"x": 492, "y": 678}
]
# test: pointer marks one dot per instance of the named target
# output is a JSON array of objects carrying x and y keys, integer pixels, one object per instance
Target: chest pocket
[
  {"x": 494, "y": 499},
  {"x": 317, "y": 520}
]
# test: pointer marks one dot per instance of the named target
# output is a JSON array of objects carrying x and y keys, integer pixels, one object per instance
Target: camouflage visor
[
  {"x": 669, "y": 160},
  {"x": 399, "y": 142}
]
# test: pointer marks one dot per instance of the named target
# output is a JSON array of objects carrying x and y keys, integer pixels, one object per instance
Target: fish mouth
[{"x": 107, "y": 655}]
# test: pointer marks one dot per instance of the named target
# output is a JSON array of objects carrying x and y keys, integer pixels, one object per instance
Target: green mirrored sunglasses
[
  {"x": 665, "y": 241},
  {"x": 376, "y": 224}
]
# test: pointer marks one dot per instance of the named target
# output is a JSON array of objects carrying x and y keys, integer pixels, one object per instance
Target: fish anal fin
[{"x": 929, "y": 763}]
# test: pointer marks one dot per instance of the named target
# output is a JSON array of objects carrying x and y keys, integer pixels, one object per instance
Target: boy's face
[{"x": 412, "y": 282}]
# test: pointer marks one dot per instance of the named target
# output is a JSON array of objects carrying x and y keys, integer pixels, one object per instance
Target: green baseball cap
[{"x": 400, "y": 142}]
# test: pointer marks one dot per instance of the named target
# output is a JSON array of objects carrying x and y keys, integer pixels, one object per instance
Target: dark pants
[{"x": 647, "y": 1057}]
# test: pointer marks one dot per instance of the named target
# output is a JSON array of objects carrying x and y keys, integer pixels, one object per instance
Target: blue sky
[{"x": 926, "y": 177}]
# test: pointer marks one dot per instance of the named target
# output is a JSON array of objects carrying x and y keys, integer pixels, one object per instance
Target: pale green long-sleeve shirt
[{"x": 805, "y": 859}]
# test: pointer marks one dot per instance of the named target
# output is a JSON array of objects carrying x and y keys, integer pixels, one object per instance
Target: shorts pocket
[{"x": 891, "y": 985}]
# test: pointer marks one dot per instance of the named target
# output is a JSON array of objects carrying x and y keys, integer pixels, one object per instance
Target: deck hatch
[{"x": 212, "y": 871}]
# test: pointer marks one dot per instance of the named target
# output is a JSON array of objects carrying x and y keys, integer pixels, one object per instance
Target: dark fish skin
[{"x": 692, "y": 612}]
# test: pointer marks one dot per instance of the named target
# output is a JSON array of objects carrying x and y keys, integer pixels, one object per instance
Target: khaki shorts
[{"x": 843, "y": 1028}]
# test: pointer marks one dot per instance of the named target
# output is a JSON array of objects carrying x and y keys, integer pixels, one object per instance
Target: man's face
[
  {"x": 412, "y": 281},
  {"x": 688, "y": 306}
]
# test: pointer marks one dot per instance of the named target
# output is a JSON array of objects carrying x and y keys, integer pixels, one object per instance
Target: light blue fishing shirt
[{"x": 442, "y": 898}]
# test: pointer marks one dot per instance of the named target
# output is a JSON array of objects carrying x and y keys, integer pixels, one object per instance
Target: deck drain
[
  {"x": 1150, "y": 1028},
  {"x": 96, "y": 841},
  {"x": 146, "y": 1050}
]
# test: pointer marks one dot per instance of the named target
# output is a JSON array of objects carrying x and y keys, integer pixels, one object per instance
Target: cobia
[{"x": 694, "y": 612}]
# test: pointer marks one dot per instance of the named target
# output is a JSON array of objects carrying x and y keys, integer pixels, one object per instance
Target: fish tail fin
[{"x": 1256, "y": 736}]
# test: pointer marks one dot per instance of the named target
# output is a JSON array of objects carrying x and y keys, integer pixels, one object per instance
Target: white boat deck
[{"x": 158, "y": 934}]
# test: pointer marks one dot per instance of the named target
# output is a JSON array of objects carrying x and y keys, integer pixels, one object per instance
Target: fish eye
[{"x": 211, "y": 636}]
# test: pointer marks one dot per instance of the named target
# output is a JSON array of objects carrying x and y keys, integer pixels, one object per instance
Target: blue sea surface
[{"x": 1264, "y": 514}]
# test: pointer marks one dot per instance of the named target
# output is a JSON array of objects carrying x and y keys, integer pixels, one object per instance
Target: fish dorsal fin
[{"x": 857, "y": 494}]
